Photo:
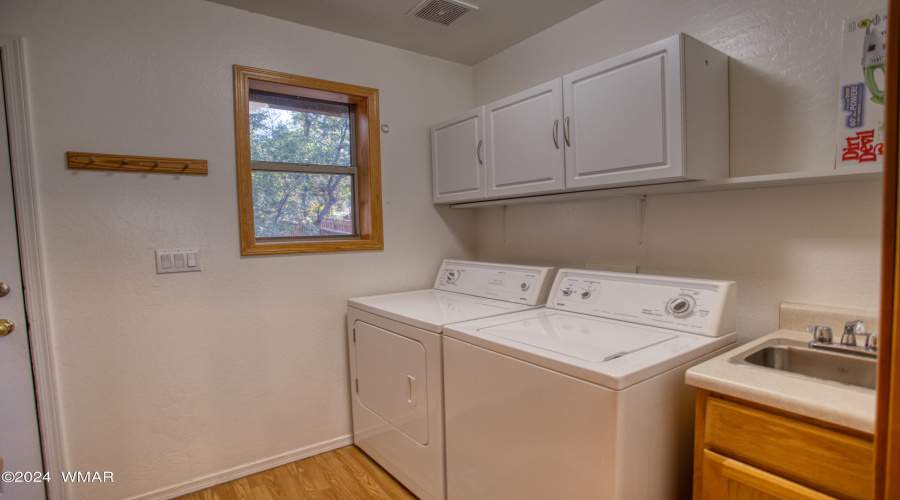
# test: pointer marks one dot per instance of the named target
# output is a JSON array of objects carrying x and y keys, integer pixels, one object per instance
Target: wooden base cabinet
[{"x": 748, "y": 451}]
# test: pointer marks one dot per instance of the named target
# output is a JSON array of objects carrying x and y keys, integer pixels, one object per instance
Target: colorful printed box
[{"x": 860, "y": 138}]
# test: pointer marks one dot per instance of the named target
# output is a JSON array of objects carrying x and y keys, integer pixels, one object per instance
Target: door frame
[{"x": 22, "y": 164}]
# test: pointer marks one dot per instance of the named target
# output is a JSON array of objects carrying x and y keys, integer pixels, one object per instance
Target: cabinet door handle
[
  {"x": 566, "y": 132},
  {"x": 556, "y": 133},
  {"x": 478, "y": 152}
]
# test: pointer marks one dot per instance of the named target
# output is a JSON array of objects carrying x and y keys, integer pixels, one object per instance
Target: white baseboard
[{"x": 244, "y": 470}]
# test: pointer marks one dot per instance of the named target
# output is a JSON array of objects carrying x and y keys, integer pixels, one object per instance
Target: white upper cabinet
[
  {"x": 457, "y": 158},
  {"x": 656, "y": 114},
  {"x": 524, "y": 144}
]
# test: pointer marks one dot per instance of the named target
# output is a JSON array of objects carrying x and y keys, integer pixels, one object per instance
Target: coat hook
[
  {"x": 91, "y": 159},
  {"x": 187, "y": 164},
  {"x": 124, "y": 161},
  {"x": 156, "y": 163}
]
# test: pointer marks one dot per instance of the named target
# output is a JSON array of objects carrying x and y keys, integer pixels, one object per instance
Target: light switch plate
[{"x": 181, "y": 260}]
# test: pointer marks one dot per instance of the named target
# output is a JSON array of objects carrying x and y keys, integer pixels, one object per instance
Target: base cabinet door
[
  {"x": 728, "y": 479},
  {"x": 747, "y": 450},
  {"x": 523, "y": 143},
  {"x": 457, "y": 158}
]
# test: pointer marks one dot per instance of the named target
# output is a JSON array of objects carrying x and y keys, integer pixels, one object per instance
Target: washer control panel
[
  {"x": 689, "y": 305},
  {"x": 521, "y": 284}
]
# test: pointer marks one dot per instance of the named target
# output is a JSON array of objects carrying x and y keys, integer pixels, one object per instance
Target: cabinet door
[
  {"x": 457, "y": 159},
  {"x": 727, "y": 479},
  {"x": 523, "y": 142},
  {"x": 624, "y": 119}
]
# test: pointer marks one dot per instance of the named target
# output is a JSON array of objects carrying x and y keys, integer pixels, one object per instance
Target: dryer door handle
[{"x": 411, "y": 384}]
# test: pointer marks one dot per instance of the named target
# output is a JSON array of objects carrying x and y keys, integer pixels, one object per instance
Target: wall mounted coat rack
[{"x": 125, "y": 163}]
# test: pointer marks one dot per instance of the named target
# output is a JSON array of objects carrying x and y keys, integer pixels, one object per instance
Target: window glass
[
  {"x": 294, "y": 130},
  {"x": 292, "y": 204}
]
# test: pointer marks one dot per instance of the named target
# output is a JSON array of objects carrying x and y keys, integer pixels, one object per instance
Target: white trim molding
[
  {"x": 22, "y": 163},
  {"x": 244, "y": 470}
]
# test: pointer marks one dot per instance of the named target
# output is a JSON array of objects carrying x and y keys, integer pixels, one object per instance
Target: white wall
[
  {"x": 811, "y": 244},
  {"x": 168, "y": 378}
]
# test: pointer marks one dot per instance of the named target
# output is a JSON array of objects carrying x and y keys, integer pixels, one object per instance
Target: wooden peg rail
[{"x": 125, "y": 163}]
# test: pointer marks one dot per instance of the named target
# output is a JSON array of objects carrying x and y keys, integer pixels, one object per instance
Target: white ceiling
[{"x": 479, "y": 34}]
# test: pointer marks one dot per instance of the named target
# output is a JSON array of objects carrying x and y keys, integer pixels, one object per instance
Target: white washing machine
[
  {"x": 396, "y": 362},
  {"x": 584, "y": 399}
]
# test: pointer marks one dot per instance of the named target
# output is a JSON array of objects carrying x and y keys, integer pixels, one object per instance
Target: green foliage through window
[
  {"x": 289, "y": 204},
  {"x": 307, "y": 136}
]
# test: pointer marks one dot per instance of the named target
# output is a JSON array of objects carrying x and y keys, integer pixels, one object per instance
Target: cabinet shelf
[{"x": 849, "y": 174}]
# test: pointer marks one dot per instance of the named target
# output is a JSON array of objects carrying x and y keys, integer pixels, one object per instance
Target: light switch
[{"x": 178, "y": 260}]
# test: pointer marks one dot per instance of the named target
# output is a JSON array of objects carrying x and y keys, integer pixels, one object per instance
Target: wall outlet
[{"x": 182, "y": 260}]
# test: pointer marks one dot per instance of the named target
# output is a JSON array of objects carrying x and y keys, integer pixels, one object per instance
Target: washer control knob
[
  {"x": 525, "y": 287},
  {"x": 681, "y": 307},
  {"x": 586, "y": 294},
  {"x": 452, "y": 275}
]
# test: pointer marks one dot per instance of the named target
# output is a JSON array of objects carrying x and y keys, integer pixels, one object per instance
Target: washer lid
[
  {"x": 432, "y": 309},
  {"x": 589, "y": 348},
  {"x": 583, "y": 338}
]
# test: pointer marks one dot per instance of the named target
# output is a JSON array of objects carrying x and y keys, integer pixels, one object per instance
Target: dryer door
[{"x": 390, "y": 371}]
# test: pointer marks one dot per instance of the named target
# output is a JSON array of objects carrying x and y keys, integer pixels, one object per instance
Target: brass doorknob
[
  {"x": 6, "y": 327},
  {"x": 4, "y": 289}
]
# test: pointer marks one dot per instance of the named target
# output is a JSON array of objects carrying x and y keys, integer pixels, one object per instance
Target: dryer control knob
[
  {"x": 525, "y": 287},
  {"x": 586, "y": 294},
  {"x": 567, "y": 291}
]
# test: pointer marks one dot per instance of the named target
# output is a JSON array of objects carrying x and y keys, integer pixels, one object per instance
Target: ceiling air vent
[{"x": 441, "y": 11}]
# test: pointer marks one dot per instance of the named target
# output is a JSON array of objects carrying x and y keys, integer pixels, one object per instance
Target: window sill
[{"x": 312, "y": 247}]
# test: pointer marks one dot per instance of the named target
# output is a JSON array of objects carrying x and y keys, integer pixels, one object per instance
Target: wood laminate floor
[{"x": 345, "y": 473}]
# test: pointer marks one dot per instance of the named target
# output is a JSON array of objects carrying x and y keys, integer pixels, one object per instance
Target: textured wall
[
  {"x": 811, "y": 244},
  {"x": 167, "y": 378}
]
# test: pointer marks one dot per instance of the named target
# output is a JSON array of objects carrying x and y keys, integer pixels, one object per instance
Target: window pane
[
  {"x": 291, "y": 204},
  {"x": 294, "y": 130}
]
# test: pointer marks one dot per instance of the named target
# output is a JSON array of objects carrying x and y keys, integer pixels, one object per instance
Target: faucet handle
[
  {"x": 820, "y": 333},
  {"x": 857, "y": 325},
  {"x": 872, "y": 342}
]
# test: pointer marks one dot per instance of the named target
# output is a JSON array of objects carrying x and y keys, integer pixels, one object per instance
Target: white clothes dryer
[
  {"x": 396, "y": 362},
  {"x": 584, "y": 399}
]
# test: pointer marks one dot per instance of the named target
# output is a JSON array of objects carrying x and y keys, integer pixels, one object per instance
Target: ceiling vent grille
[{"x": 441, "y": 11}]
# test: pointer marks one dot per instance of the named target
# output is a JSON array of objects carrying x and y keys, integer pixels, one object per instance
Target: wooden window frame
[{"x": 368, "y": 160}]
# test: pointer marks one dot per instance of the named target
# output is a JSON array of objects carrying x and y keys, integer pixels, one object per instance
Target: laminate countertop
[{"x": 841, "y": 405}]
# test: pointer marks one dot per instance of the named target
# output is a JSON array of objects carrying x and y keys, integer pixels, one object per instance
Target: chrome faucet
[
  {"x": 823, "y": 339},
  {"x": 851, "y": 330}
]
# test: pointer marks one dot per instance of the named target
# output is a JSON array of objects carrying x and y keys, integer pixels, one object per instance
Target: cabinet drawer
[{"x": 827, "y": 460}]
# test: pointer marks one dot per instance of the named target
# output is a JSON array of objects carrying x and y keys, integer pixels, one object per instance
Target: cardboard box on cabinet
[{"x": 860, "y": 138}]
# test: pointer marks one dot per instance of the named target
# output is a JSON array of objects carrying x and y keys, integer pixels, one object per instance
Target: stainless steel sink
[{"x": 796, "y": 358}]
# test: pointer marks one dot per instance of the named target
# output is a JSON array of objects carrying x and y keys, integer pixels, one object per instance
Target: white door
[
  {"x": 624, "y": 119},
  {"x": 457, "y": 158},
  {"x": 523, "y": 138},
  {"x": 19, "y": 443}
]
